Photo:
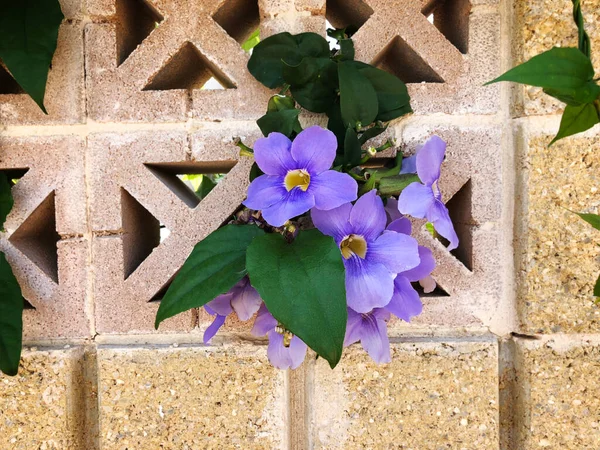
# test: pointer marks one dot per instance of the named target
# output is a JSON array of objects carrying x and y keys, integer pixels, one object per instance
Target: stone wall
[{"x": 506, "y": 353}]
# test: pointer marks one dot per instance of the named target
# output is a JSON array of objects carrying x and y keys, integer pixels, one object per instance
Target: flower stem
[{"x": 244, "y": 149}]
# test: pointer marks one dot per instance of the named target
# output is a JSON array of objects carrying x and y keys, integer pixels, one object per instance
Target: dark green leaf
[
  {"x": 215, "y": 265},
  {"x": 358, "y": 98},
  {"x": 285, "y": 121},
  {"x": 28, "y": 36},
  {"x": 392, "y": 93},
  {"x": 597, "y": 288},
  {"x": 303, "y": 286},
  {"x": 576, "y": 119},
  {"x": 266, "y": 62},
  {"x": 592, "y": 219},
  {"x": 255, "y": 172},
  {"x": 562, "y": 71},
  {"x": 586, "y": 94},
  {"x": 280, "y": 103},
  {"x": 206, "y": 185},
  {"x": 584, "y": 39},
  {"x": 336, "y": 125},
  {"x": 370, "y": 133},
  {"x": 304, "y": 72},
  {"x": 352, "y": 148},
  {"x": 11, "y": 319},
  {"x": 6, "y": 200},
  {"x": 396, "y": 184},
  {"x": 319, "y": 93},
  {"x": 346, "y": 52}
]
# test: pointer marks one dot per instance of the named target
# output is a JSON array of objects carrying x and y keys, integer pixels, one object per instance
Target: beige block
[
  {"x": 431, "y": 396},
  {"x": 188, "y": 398},
  {"x": 39, "y": 408},
  {"x": 541, "y": 25},
  {"x": 558, "y": 255},
  {"x": 558, "y": 395}
]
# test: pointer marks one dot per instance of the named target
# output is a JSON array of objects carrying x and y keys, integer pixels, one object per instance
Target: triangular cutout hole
[
  {"x": 191, "y": 182},
  {"x": 348, "y": 13},
  {"x": 399, "y": 59},
  {"x": 451, "y": 17},
  {"x": 239, "y": 18},
  {"x": 439, "y": 291},
  {"x": 37, "y": 237},
  {"x": 188, "y": 69},
  {"x": 8, "y": 84},
  {"x": 136, "y": 19},
  {"x": 14, "y": 175},
  {"x": 141, "y": 233},
  {"x": 27, "y": 304}
]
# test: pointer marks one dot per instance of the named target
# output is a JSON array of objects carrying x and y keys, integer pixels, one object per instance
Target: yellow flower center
[
  {"x": 297, "y": 178},
  {"x": 353, "y": 245}
]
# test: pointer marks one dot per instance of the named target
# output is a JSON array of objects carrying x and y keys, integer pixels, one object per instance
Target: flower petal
[
  {"x": 273, "y": 156},
  {"x": 353, "y": 328},
  {"x": 416, "y": 200},
  {"x": 442, "y": 223},
  {"x": 405, "y": 302},
  {"x": 402, "y": 225},
  {"x": 221, "y": 304},
  {"x": 264, "y": 322},
  {"x": 429, "y": 160},
  {"x": 368, "y": 285},
  {"x": 334, "y": 223},
  {"x": 246, "y": 302},
  {"x": 212, "y": 329},
  {"x": 265, "y": 191},
  {"x": 314, "y": 149},
  {"x": 374, "y": 339},
  {"x": 278, "y": 354},
  {"x": 397, "y": 252},
  {"x": 295, "y": 203},
  {"x": 368, "y": 217},
  {"x": 332, "y": 189},
  {"x": 391, "y": 209},
  {"x": 424, "y": 268},
  {"x": 409, "y": 165},
  {"x": 428, "y": 284},
  {"x": 297, "y": 352}
]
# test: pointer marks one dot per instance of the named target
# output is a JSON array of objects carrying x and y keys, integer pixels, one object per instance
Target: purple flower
[
  {"x": 371, "y": 255},
  {"x": 242, "y": 298},
  {"x": 424, "y": 200},
  {"x": 371, "y": 330},
  {"x": 285, "y": 350},
  {"x": 297, "y": 176}
]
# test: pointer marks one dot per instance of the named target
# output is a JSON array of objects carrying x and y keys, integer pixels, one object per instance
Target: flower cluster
[{"x": 382, "y": 261}]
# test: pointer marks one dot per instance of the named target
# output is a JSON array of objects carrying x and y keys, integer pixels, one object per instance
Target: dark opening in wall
[
  {"x": 37, "y": 237},
  {"x": 178, "y": 178},
  {"x": 136, "y": 19},
  {"x": 239, "y": 18},
  {"x": 141, "y": 233},
  {"x": 14, "y": 175},
  {"x": 451, "y": 17},
  {"x": 188, "y": 69},
  {"x": 439, "y": 291},
  {"x": 399, "y": 59},
  {"x": 459, "y": 207},
  {"x": 344, "y": 13},
  {"x": 27, "y": 305},
  {"x": 8, "y": 85}
]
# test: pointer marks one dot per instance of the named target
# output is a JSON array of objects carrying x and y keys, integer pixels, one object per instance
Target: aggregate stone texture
[
  {"x": 64, "y": 99},
  {"x": 39, "y": 408},
  {"x": 208, "y": 397},
  {"x": 541, "y": 25},
  {"x": 146, "y": 222},
  {"x": 44, "y": 240},
  {"x": 431, "y": 396},
  {"x": 558, "y": 252},
  {"x": 558, "y": 384}
]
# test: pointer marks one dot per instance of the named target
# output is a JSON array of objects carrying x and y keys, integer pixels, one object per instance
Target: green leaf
[
  {"x": 303, "y": 286},
  {"x": 597, "y": 288},
  {"x": 396, "y": 184},
  {"x": 370, "y": 133},
  {"x": 576, "y": 119},
  {"x": 285, "y": 121},
  {"x": 584, "y": 39},
  {"x": 28, "y": 36},
  {"x": 11, "y": 319},
  {"x": 592, "y": 219},
  {"x": 319, "y": 93},
  {"x": 392, "y": 93},
  {"x": 266, "y": 62},
  {"x": 586, "y": 94},
  {"x": 215, "y": 265},
  {"x": 358, "y": 98},
  {"x": 346, "y": 52},
  {"x": 206, "y": 185},
  {"x": 6, "y": 199},
  {"x": 280, "y": 103},
  {"x": 352, "y": 148},
  {"x": 252, "y": 41},
  {"x": 562, "y": 71}
]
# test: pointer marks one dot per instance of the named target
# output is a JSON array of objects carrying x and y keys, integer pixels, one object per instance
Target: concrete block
[
  {"x": 204, "y": 397},
  {"x": 431, "y": 396}
]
